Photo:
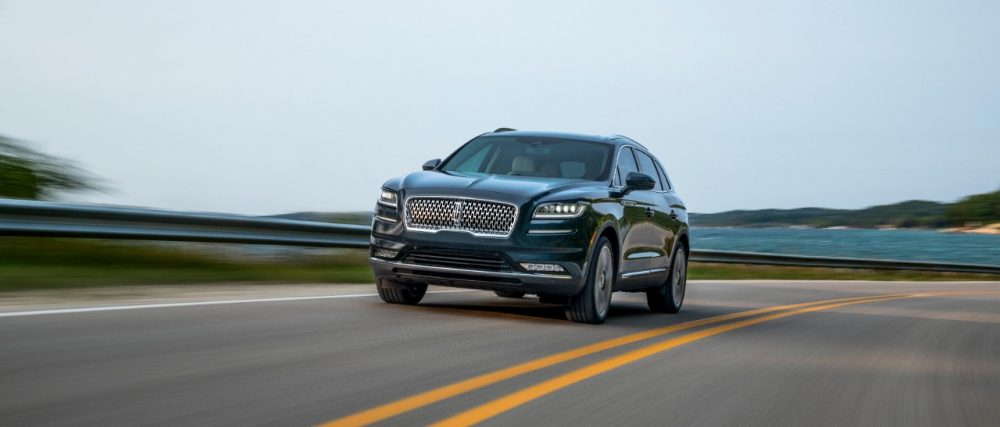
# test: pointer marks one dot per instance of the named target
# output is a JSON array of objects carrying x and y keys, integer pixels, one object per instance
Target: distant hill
[{"x": 977, "y": 209}]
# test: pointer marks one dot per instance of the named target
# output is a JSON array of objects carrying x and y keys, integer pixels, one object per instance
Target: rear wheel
[
  {"x": 592, "y": 305},
  {"x": 668, "y": 297},
  {"x": 397, "y": 293},
  {"x": 507, "y": 293}
]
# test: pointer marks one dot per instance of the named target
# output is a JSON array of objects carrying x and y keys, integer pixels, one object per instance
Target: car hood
[{"x": 470, "y": 185}]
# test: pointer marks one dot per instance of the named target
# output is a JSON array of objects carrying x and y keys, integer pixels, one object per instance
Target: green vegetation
[
  {"x": 28, "y": 174},
  {"x": 977, "y": 209},
  {"x": 981, "y": 209},
  {"x": 70, "y": 263},
  {"x": 700, "y": 271},
  {"x": 27, "y": 263}
]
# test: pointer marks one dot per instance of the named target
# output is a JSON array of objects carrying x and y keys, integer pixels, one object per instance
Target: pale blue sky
[{"x": 273, "y": 106}]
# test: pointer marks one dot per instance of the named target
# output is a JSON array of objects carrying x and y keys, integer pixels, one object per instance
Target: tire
[
  {"x": 508, "y": 293},
  {"x": 669, "y": 297},
  {"x": 593, "y": 303},
  {"x": 397, "y": 295}
]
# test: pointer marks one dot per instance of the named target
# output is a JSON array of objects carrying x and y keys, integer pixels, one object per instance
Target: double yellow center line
[{"x": 518, "y": 398}]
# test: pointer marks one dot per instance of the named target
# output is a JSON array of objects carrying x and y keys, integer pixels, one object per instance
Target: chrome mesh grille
[{"x": 479, "y": 217}]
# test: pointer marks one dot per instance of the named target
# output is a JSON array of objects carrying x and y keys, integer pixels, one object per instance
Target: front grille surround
[{"x": 479, "y": 217}]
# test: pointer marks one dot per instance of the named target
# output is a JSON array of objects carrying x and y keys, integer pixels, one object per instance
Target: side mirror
[
  {"x": 639, "y": 181},
  {"x": 431, "y": 164}
]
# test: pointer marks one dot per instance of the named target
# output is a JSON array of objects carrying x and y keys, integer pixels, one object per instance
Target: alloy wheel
[
  {"x": 679, "y": 277},
  {"x": 603, "y": 281}
]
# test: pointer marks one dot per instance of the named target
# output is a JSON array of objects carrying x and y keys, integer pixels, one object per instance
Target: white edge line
[{"x": 194, "y": 304}]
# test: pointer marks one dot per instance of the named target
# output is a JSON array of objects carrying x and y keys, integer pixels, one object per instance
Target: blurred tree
[
  {"x": 979, "y": 208},
  {"x": 28, "y": 174}
]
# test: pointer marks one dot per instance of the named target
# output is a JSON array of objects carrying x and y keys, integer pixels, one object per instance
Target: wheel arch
[
  {"x": 610, "y": 230},
  {"x": 684, "y": 241}
]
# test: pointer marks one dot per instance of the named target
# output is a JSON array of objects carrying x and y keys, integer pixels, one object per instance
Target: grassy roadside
[
  {"x": 68, "y": 263},
  {"x": 700, "y": 271}
]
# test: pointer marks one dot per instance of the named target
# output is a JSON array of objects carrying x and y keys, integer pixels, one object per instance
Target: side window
[
  {"x": 648, "y": 167},
  {"x": 626, "y": 164},
  {"x": 663, "y": 176}
]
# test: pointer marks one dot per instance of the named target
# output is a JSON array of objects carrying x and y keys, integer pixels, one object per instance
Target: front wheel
[
  {"x": 396, "y": 293},
  {"x": 592, "y": 305},
  {"x": 668, "y": 297}
]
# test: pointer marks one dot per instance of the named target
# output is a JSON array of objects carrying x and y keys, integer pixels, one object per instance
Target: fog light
[
  {"x": 548, "y": 268},
  {"x": 385, "y": 253}
]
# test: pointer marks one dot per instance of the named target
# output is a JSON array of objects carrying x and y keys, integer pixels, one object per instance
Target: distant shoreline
[
  {"x": 976, "y": 214},
  {"x": 991, "y": 229},
  {"x": 988, "y": 229}
]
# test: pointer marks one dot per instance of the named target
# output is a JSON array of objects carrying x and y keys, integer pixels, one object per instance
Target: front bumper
[
  {"x": 531, "y": 283},
  {"x": 561, "y": 242}
]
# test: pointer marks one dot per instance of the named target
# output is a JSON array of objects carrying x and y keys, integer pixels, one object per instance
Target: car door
[
  {"x": 678, "y": 212},
  {"x": 662, "y": 231},
  {"x": 639, "y": 232}
]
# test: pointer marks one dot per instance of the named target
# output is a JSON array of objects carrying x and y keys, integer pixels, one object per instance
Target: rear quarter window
[{"x": 663, "y": 176}]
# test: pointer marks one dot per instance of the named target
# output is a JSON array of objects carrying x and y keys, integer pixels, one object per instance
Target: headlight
[
  {"x": 560, "y": 210},
  {"x": 389, "y": 198}
]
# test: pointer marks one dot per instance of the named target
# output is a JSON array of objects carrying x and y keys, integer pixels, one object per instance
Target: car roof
[{"x": 607, "y": 139}]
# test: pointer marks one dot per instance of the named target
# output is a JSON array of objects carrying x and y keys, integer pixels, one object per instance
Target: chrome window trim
[
  {"x": 663, "y": 175},
  {"x": 655, "y": 160},
  {"x": 510, "y": 231},
  {"x": 618, "y": 156},
  {"x": 656, "y": 173}
]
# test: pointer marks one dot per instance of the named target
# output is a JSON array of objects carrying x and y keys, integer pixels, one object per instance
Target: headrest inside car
[{"x": 522, "y": 164}]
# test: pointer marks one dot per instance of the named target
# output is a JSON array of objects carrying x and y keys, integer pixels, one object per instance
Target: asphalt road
[{"x": 928, "y": 355}]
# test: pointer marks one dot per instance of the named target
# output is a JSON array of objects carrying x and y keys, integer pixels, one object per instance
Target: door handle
[
  {"x": 673, "y": 214},
  {"x": 650, "y": 212}
]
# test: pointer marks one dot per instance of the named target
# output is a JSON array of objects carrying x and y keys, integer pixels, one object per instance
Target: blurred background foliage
[
  {"x": 32, "y": 263},
  {"x": 980, "y": 208},
  {"x": 29, "y": 174},
  {"x": 46, "y": 263}
]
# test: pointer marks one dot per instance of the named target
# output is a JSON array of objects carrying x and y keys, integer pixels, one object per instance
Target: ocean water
[{"x": 912, "y": 245}]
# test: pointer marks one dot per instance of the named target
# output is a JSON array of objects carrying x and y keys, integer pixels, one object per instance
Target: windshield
[{"x": 532, "y": 156}]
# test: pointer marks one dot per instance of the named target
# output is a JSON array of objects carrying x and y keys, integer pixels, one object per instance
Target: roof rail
[
  {"x": 505, "y": 130},
  {"x": 617, "y": 136}
]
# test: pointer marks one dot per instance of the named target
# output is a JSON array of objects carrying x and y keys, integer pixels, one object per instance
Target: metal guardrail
[
  {"x": 48, "y": 219},
  {"x": 733, "y": 257}
]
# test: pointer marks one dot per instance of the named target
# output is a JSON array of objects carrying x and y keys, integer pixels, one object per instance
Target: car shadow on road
[{"x": 529, "y": 309}]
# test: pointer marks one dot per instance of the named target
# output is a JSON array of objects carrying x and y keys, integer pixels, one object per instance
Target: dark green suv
[{"x": 568, "y": 217}]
